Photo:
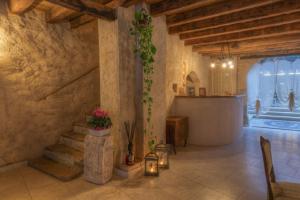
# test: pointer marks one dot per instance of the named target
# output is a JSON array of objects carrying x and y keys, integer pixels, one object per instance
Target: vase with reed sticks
[{"x": 130, "y": 131}]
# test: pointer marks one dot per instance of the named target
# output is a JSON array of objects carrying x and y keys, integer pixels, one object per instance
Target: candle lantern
[
  {"x": 162, "y": 151},
  {"x": 151, "y": 164}
]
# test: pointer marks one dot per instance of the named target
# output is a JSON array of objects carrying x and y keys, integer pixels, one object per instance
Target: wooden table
[{"x": 177, "y": 131}]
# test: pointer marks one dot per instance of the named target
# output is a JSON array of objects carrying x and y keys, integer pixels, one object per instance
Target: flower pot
[{"x": 99, "y": 133}]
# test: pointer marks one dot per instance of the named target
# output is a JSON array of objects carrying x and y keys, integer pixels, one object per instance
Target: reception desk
[{"x": 213, "y": 120}]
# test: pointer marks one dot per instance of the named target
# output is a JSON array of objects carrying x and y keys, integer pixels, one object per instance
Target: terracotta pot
[{"x": 99, "y": 133}]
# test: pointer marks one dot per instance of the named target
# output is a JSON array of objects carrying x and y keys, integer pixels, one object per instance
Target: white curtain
[{"x": 276, "y": 75}]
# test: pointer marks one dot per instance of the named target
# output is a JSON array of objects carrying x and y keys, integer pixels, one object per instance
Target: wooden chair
[{"x": 276, "y": 190}]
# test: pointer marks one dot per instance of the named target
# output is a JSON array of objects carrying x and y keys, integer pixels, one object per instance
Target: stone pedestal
[{"x": 98, "y": 159}]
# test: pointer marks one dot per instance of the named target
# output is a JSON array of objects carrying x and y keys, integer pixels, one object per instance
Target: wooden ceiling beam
[
  {"x": 276, "y": 9},
  {"x": 251, "y": 47},
  {"x": 99, "y": 11},
  {"x": 60, "y": 14},
  {"x": 115, "y": 3},
  {"x": 129, "y": 3},
  {"x": 167, "y": 7},
  {"x": 214, "y": 10},
  {"x": 274, "y": 47},
  {"x": 278, "y": 54},
  {"x": 262, "y": 53},
  {"x": 246, "y": 35},
  {"x": 239, "y": 27},
  {"x": 82, "y": 20},
  {"x": 253, "y": 42},
  {"x": 21, "y": 6}
]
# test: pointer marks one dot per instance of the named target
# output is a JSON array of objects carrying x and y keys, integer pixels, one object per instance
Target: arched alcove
[{"x": 192, "y": 84}]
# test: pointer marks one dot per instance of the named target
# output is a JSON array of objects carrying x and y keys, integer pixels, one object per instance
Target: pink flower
[{"x": 100, "y": 113}]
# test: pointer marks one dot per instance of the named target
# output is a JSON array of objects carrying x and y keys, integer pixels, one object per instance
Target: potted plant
[
  {"x": 99, "y": 123},
  {"x": 130, "y": 130}
]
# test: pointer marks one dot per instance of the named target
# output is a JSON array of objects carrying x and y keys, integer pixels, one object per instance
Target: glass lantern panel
[
  {"x": 163, "y": 158},
  {"x": 151, "y": 167}
]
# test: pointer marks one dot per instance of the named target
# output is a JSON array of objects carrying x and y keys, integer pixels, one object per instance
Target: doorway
[{"x": 274, "y": 93}]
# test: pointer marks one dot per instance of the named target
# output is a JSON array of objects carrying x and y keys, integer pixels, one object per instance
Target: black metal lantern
[
  {"x": 162, "y": 151},
  {"x": 151, "y": 164}
]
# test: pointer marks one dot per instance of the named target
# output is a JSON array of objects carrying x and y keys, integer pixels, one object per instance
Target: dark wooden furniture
[{"x": 177, "y": 131}]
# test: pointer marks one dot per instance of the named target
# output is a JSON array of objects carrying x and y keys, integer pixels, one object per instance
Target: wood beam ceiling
[
  {"x": 215, "y": 10},
  {"x": 254, "y": 43},
  {"x": 248, "y": 26},
  {"x": 260, "y": 48},
  {"x": 87, "y": 7},
  {"x": 60, "y": 14},
  {"x": 246, "y": 35},
  {"x": 272, "y": 54},
  {"x": 276, "y": 9},
  {"x": 167, "y": 7},
  {"x": 21, "y": 6}
]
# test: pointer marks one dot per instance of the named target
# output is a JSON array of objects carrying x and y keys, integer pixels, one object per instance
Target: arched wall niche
[{"x": 192, "y": 84}]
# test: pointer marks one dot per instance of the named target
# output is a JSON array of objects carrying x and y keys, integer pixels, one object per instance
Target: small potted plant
[{"x": 99, "y": 123}]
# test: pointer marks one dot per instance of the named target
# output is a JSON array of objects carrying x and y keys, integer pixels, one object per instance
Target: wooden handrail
[{"x": 68, "y": 83}]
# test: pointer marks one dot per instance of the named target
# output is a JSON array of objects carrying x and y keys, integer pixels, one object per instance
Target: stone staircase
[
  {"x": 276, "y": 113},
  {"x": 64, "y": 160}
]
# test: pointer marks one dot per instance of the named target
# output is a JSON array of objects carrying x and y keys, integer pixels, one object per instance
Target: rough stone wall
[{"x": 37, "y": 58}]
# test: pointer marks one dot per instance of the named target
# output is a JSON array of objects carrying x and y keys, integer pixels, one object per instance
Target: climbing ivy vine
[{"x": 142, "y": 30}]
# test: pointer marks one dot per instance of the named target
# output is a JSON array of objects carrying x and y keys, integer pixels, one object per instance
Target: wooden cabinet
[{"x": 177, "y": 131}]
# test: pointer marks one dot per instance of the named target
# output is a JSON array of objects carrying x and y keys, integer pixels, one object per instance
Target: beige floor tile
[
  {"x": 18, "y": 192},
  {"x": 35, "y": 179},
  {"x": 232, "y": 172},
  {"x": 56, "y": 191}
]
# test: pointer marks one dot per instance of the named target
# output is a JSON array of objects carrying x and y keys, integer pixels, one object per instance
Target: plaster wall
[
  {"x": 36, "y": 59},
  {"x": 180, "y": 61},
  {"x": 173, "y": 62},
  {"x": 117, "y": 76}
]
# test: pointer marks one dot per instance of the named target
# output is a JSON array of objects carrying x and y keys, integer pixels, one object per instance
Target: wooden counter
[{"x": 213, "y": 120}]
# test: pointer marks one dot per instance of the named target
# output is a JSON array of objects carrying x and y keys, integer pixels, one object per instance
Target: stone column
[{"x": 98, "y": 159}]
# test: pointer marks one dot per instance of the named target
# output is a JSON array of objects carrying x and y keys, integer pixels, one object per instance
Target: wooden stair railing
[{"x": 68, "y": 83}]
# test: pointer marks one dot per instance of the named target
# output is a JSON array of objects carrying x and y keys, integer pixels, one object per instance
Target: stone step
[
  {"x": 58, "y": 170},
  {"x": 64, "y": 154},
  {"x": 81, "y": 128},
  {"x": 73, "y": 140},
  {"x": 286, "y": 118}
]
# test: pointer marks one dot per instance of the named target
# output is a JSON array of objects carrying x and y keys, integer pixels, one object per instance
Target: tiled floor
[{"x": 233, "y": 172}]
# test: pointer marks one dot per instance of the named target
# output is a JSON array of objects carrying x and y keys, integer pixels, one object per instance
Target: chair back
[{"x": 268, "y": 164}]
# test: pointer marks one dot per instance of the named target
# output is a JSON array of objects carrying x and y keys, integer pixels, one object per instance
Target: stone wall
[{"x": 36, "y": 59}]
